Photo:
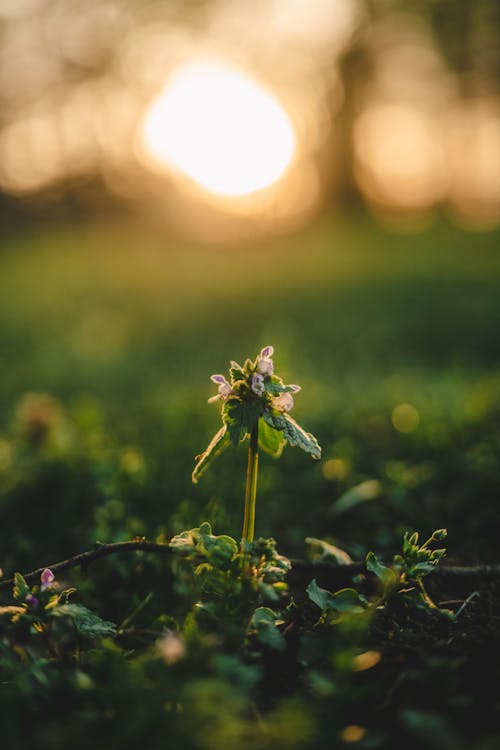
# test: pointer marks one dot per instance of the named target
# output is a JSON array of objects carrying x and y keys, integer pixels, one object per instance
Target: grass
[
  {"x": 123, "y": 326},
  {"x": 108, "y": 336}
]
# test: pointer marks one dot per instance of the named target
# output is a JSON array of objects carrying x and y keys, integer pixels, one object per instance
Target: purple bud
[
  {"x": 32, "y": 601},
  {"x": 47, "y": 578},
  {"x": 264, "y": 362},
  {"x": 267, "y": 352},
  {"x": 218, "y": 379}
]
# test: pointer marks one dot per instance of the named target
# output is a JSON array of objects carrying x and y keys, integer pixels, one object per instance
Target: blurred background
[{"x": 184, "y": 183}]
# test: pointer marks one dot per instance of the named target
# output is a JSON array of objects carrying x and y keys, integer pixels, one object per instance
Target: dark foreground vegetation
[{"x": 107, "y": 339}]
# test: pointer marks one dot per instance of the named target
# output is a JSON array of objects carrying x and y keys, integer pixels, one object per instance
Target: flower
[
  {"x": 265, "y": 364},
  {"x": 47, "y": 578},
  {"x": 258, "y": 384},
  {"x": 224, "y": 388},
  {"x": 32, "y": 601},
  {"x": 171, "y": 647},
  {"x": 284, "y": 402}
]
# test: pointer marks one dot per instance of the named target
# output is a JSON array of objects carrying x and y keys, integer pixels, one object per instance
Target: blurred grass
[{"x": 122, "y": 327}]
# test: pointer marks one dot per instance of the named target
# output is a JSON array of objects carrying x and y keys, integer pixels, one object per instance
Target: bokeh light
[
  {"x": 220, "y": 128},
  {"x": 310, "y": 104}
]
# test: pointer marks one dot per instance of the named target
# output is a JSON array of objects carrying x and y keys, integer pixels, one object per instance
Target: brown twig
[
  {"x": 329, "y": 572},
  {"x": 84, "y": 559},
  {"x": 355, "y": 568}
]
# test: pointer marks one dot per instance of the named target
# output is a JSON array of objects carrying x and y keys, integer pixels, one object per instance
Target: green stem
[{"x": 251, "y": 486}]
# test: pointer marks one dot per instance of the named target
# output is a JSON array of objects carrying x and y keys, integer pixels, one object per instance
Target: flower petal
[
  {"x": 258, "y": 384},
  {"x": 47, "y": 578}
]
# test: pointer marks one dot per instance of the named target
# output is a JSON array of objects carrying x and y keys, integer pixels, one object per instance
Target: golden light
[
  {"x": 398, "y": 157},
  {"x": 219, "y": 127}
]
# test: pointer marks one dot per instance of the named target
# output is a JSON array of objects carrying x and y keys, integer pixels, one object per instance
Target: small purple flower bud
[
  {"x": 224, "y": 388},
  {"x": 283, "y": 402},
  {"x": 47, "y": 578},
  {"x": 258, "y": 384},
  {"x": 32, "y": 601},
  {"x": 265, "y": 364},
  {"x": 267, "y": 352}
]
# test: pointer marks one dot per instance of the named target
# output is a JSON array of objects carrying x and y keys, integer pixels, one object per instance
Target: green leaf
[
  {"x": 219, "y": 550},
  {"x": 385, "y": 574},
  {"x": 86, "y": 622},
  {"x": 274, "y": 419},
  {"x": 344, "y": 601},
  {"x": 370, "y": 489},
  {"x": 21, "y": 589},
  {"x": 292, "y": 432},
  {"x": 263, "y": 623},
  {"x": 217, "y": 445},
  {"x": 236, "y": 372},
  {"x": 328, "y": 552},
  {"x": 421, "y": 569},
  {"x": 200, "y": 542},
  {"x": 295, "y": 435},
  {"x": 184, "y": 543},
  {"x": 439, "y": 535},
  {"x": 270, "y": 440},
  {"x": 240, "y": 417},
  {"x": 275, "y": 386}
]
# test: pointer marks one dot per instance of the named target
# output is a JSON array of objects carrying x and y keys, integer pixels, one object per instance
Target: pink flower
[
  {"x": 47, "y": 578},
  {"x": 284, "y": 402},
  {"x": 171, "y": 647},
  {"x": 224, "y": 388},
  {"x": 265, "y": 364},
  {"x": 258, "y": 384}
]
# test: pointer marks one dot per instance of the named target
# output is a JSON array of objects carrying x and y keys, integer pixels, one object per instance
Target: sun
[{"x": 219, "y": 127}]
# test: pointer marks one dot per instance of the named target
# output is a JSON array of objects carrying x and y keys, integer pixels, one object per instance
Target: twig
[
  {"x": 355, "y": 568},
  {"x": 84, "y": 559},
  {"x": 302, "y": 567}
]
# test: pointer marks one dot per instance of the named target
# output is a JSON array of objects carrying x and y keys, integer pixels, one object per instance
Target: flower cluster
[
  {"x": 47, "y": 579},
  {"x": 256, "y": 404},
  {"x": 256, "y": 379}
]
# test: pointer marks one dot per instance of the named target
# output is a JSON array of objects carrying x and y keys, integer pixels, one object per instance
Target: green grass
[{"x": 123, "y": 327}]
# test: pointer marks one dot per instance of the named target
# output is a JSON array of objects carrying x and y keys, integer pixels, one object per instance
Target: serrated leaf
[
  {"x": 219, "y": 550},
  {"x": 344, "y": 601},
  {"x": 183, "y": 543},
  {"x": 236, "y": 372},
  {"x": 295, "y": 435},
  {"x": 200, "y": 542},
  {"x": 240, "y": 417},
  {"x": 275, "y": 386},
  {"x": 86, "y": 622},
  {"x": 274, "y": 419},
  {"x": 292, "y": 432},
  {"x": 21, "y": 589},
  {"x": 217, "y": 445},
  {"x": 270, "y": 440}
]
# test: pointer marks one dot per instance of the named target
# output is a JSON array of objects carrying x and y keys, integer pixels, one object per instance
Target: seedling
[{"x": 255, "y": 405}]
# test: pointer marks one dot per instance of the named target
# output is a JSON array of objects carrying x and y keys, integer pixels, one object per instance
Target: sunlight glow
[{"x": 219, "y": 127}]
